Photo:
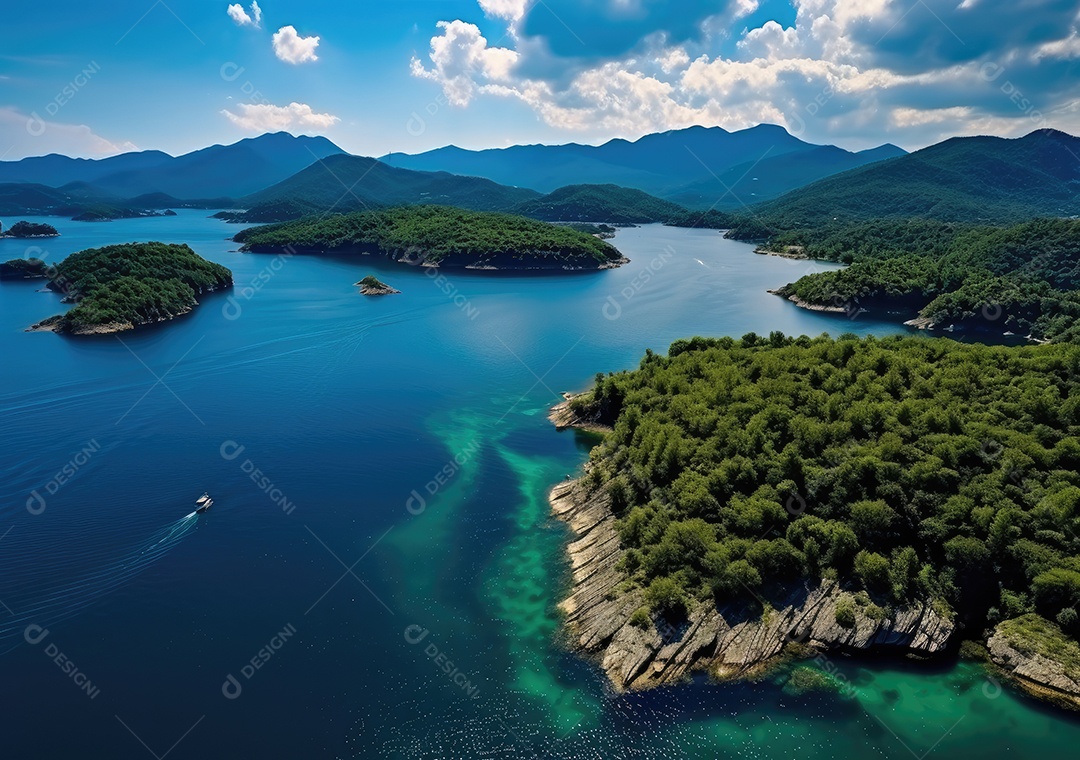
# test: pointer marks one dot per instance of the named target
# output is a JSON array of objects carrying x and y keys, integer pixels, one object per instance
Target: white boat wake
[{"x": 74, "y": 579}]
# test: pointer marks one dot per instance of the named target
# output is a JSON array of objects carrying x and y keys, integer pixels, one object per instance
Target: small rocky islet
[{"x": 373, "y": 286}]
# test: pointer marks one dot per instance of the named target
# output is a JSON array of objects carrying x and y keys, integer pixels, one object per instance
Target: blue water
[{"x": 379, "y": 468}]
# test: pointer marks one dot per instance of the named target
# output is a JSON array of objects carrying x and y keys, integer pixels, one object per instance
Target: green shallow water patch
[
  {"x": 520, "y": 589},
  {"x": 960, "y": 712},
  {"x": 424, "y": 539}
]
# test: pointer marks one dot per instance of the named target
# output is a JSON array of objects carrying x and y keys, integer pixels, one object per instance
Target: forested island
[
  {"x": 770, "y": 497},
  {"x": 1022, "y": 280},
  {"x": 120, "y": 287},
  {"x": 29, "y": 230},
  {"x": 439, "y": 236}
]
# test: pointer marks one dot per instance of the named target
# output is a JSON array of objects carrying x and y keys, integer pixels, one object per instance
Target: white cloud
[
  {"x": 511, "y": 10},
  {"x": 22, "y": 135},
  {"x": 771, "y": 41},
  {"x": 672, "y": 59},
  {"x": 292, "y": 48},
  {"x": 840, "y": 73},
  {"x": 240, "y": 16},
  {"x": 461, "y": 56},
  {"x": 1067, "y": 48},
  {"x": 264, "y": 117}
]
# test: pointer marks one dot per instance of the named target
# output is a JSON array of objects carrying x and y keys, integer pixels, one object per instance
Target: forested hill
[
  {"x": 921, "y": 472},
  {"x": 440, "y": 236},
  {"x": 351, "y": 183},
  {"x": 601, "y": 203},
  {"x": 964, "y": 179}
]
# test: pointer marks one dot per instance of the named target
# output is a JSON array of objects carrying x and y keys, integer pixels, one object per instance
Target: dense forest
[
  {"x": 436, "y": 235},
  {"x": 1022, "y": 279},
  {"x": 131, "y": 284},
  {"x": 909, "y": 469}
]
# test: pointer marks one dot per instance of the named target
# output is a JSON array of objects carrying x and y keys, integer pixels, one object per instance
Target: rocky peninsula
[{"x": 702, "y": 545}]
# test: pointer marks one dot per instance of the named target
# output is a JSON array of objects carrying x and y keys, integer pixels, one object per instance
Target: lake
[{"x": 379, "y": 574}]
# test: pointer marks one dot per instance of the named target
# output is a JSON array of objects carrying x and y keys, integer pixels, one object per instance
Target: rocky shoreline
[
  {"x": 797, "y": 252},
  {"x": 782, "y": 292},
  {"x": 1034, "y": 672},
  {"x": 729, "y": 644},
  {"x": 562, "y": 417},
  {"x": 55, "y": 324},
  {"x": 521, "y": 261}
]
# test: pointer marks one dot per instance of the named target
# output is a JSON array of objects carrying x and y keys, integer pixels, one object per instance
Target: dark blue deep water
[{"x": 380, "y": 469}]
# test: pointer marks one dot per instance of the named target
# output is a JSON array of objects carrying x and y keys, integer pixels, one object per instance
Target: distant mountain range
[
  {"x": 220, "y": 170},
  {"x": 963, "y": 179},
  {"x": 657, "y": 178},
  {"x": 697, "y": 166}
]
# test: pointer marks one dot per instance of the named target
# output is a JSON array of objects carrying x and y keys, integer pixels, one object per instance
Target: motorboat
[{"x": 203, "y": 503}]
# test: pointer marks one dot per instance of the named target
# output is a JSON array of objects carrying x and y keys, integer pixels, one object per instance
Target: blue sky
[{"x": 410, "y": 75}]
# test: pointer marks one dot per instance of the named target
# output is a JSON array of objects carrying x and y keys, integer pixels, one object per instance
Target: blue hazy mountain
[
  {"x": 693, "y": 166},
  {"x": 220, "y": 170}
]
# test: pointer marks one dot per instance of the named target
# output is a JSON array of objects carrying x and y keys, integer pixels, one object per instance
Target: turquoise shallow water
[{"x": 380, "y": 544}]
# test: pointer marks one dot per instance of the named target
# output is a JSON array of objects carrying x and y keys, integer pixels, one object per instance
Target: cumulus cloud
[
  {"x": 29, "y": 135},
  {"x": 242, "y": 18},
  {"x": 264, "y": 117},
  {"x": 462, "y": 59},
  {"x": 292, "y": 48},
  {"x": 857, "y": 72}
]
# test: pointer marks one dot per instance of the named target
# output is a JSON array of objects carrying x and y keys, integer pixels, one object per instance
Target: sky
[{"x": 96, "y": 79}]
